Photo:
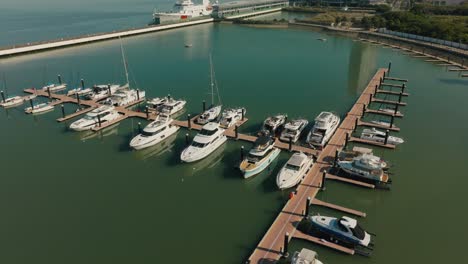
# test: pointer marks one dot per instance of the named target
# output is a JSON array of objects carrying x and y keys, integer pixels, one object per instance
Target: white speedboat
[
  {"x": 154, "y": 133},
  {"x": 205, "y": 142},
  {"x": 260, "y": 156},
  {"x": 379, "y": 136},
  {"x": 209, "y": 115},
  {"x": 81, "y": 91},
  {"x": 103, "y": 113},
  {"x": 183, "y": 10},
  {"x": 231, "y": 116},
  {"x": 293, "y": 129},
  {"x": 171, "y": 106},
  {"x": 305, "y": 256},
  {"x": 125, "y": 97},
  {"x": 383, "y": 123},
  {"x": 344, "y": 229},
  {"x": 102, "y": 91},
  {"x": 365, "y": 166},
  {"x": 389, "y": 110},
  {"x": 294, "y": 170},
  {"x": 324, "y": 127},
  {"x": 272, "y": 124},
  {"x": 12, "y": 101},
  {"x": 53, "y": 87},
  {"x": 39, "y": 108}
]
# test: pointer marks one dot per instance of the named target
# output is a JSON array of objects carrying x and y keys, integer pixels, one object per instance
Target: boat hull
[
  {"x": 154, "y": 139},
  {"x": 202, "y": 153},
  {"x": 247, "y": 173}
]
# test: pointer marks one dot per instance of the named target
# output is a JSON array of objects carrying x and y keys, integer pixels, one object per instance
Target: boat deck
[{"x": 368, "y": 124}]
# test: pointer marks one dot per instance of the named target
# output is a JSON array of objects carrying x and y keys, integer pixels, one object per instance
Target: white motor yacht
[
  {"x": 260, "y": 156},
  {"x": 155, "y": 103},
  {"x": 231, "y": 116},
  {"x": 345, "y": 229},
  {"x": 272, "y": 124},
  {"x": 305, "y": 256},
  {"x": 293, "y": 129},
  {"x": 294, "y": 170},
  {"x": 102, "y": 91},
  {"x": 39, "y": 108},
  {"x": 103, "y": 113},
  {"x": 171, "y": 106},
  {"x": 324, "y": 127},
  {"x": 55, "y": 87},
  {"x": 12, "y": 101},
  {"x": 154, "y": 133},
  {"x": 365, "y": 166},
  {"x": 125, "y": 97},
  {"x": 205, "y": 142},
  {"x": 379, "y": 136}
]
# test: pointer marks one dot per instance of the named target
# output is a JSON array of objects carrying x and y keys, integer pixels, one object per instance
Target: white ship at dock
[{"x": 183, "y": 10}]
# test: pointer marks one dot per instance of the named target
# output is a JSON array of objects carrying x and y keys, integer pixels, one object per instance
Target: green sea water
[{"x": 67, "y": 197}]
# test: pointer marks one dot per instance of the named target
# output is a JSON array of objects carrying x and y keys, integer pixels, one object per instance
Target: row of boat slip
[
  {"x": 226, "y": 118},
  {"x": 325, "y": 125}
]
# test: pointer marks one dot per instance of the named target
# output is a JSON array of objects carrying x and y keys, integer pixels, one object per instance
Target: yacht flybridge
[
  {"x": 205, "y": 142},
  {"x": 294, "y": 170},
  {"x": 366, "y": 166},
  {"x": 379, "y": 136},
  {"x": 215, "y": 110},
  {"x": 101, "y": 114},
  {"x": 344, "y": 229},
  {"x": 305, "y": 256},
  {"x": 155, "y": 103},
  {"x": 293, "y": 129},
  {"x": 171, "y": 106},
  {"x": 260, "y": 156},
  {"x": 231, "y": 116},
  {"x": 54, "y": 87},
  {"x": 273, "y": 124},
  {"x": 154, "y": 133},
  {"x": 324, "y": 127}
]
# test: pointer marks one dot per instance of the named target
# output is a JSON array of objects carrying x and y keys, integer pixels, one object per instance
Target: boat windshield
[
  {"x": 208, "y": 132},
  {"x": 87, "y": 117},
  {"x": 149, "y": 134},
  {"x": 358, "y": 232},
  {"x": 292, "y": 167},
  {"x": 199, "y": 145}
]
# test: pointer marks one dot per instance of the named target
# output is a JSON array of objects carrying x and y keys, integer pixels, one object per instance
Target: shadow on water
[{"x": 454, "y": 81}]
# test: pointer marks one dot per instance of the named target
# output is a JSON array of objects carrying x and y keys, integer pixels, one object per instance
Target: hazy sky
[{"x": 135, "y": 5}]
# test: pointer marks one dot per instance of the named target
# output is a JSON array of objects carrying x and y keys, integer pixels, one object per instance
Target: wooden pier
[
  {"x": 269, "y": 247},
  {"x": 368, "y": 124}
]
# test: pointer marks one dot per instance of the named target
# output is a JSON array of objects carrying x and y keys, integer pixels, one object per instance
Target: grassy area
[{"x": 346, "y": 19}]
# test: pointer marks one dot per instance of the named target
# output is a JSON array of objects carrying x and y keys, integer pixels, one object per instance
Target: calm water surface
[{"x": 87, "y": 198}]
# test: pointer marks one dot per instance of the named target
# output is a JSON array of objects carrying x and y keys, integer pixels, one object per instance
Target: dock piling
[
  {"x": 187, "y": 139},
  {"x": 346, "y": 141},
  {"x": 139, "y": 127},
  {"x": 82, "y": 84},
  {"x": 290, "y": 144},
  {"x": 204, "y": 106},
  {"x": 403, "y": 87},
  {"x": 169, "y": 97},
  {"x": 335, "y": 161},
  {"x": 389, "y": 68},
  {"x": 392, "y": 119},
  {"x": 138, "y": 95},
  {"x": 3, "y": 96},
  {"x": 285, "y": 246},
  {"x": 147, "y": 112},
  {"x": 236, "y": 133},
  {"x": 59, "y": 79},
  {"x": 322, "y": 183},
  {"x": 370, "y": 98},
  {"x": 48, "y": 92},
  {"x": 189, "y": 122},
  {"x": 396, "y": 109},
  {"x": 243, "y": 113},
  {"x": 363, "y": 110},
  {"x": 307, "y": 205},
  {"x": 376, "y": 88},
  {"x": 99, "y": 120},
  {"x": 31, "y": 103},
  {"x": 109, "y": 91},
  {"x": 78, "y": 100},
  {"x": 399, "y": 97},
  {"x": 386, "y": 137},
  {"x": 356, "y": 120},
  {"x": 63, "y": 110},
  {"x": 242, "y": 153}
]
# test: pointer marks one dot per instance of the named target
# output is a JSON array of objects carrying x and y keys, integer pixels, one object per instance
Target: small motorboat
[
  {"x": 293, "y": 129},
  {"x": 379, "y": 136},
  {"x": 324, "y": 127},
  {"x": 209, "y": 115},
  {"x": 366, "y": 166},
  {"x": 389, "y": 110},
  {"x": 188, "y": 45},
  {"x": 39, "y": 108},
  {"x": 204, "y": 143},
  {"x": 12, "y": 101},
  {"x": 273, "y": 124},
  {"x": 344, "y": 229},
  {"x": 103, "y": 113},
  {"x": 294, "y": 170},
  {"x": 383, "y": 123},
  {"x": 322, "y": 39},
  {"x": 154, "y": 133},
  {"x": 54, "y": 87},
  {"x": 349, "y": 155},
  {"x": 260, "y": 156},
  {"x": 305, "y": 256},
  {"x": 80, "y": 91},
  {"x": 231, "y": 116}
]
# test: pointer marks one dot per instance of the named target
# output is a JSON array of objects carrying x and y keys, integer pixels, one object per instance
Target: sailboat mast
[
  {"x": 212, "y": 81},
  {"x": 124, "y": 62}
]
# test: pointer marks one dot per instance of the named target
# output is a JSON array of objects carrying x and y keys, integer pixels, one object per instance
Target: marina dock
[{"x": 270, "y": 246}]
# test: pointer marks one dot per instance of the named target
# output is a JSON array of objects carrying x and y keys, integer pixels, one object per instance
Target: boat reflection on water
[
  {"x": 264, "y": 181},
  {"x": 209, "y": 162},
  {"x": 156, "y": 150},
  {"x": 108, "y": 131}
]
